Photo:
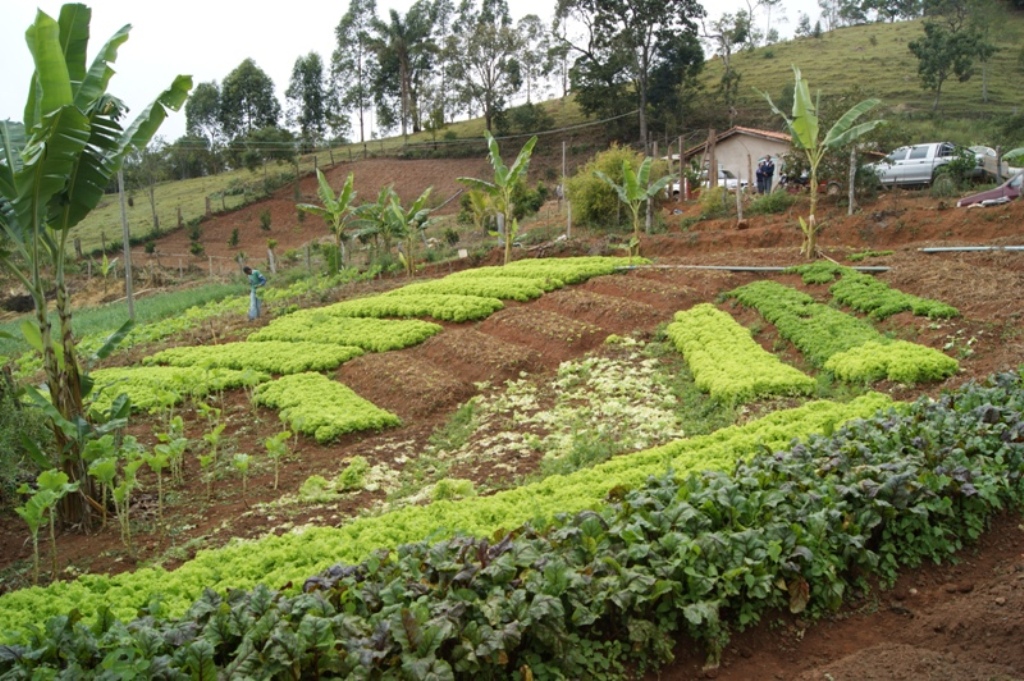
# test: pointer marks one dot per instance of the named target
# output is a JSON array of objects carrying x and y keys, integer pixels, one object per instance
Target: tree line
[{"x": 439, "y": 62}]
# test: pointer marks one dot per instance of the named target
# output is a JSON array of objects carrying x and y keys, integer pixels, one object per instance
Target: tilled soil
[{"x": 954, "y": 622}]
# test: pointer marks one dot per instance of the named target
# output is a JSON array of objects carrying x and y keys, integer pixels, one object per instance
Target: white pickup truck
[{"x": 916, "y": 165}]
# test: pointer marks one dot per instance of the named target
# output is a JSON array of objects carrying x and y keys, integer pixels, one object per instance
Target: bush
[
  {"x": 594, "y": 203},
  {"x": 772, "y": 202},
  {"x": 715, "y": 202},
  {"x": 18, "y": 423}
]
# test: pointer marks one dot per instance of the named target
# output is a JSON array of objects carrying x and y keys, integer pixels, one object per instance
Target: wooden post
[
  {"x": 127, "y": 248},
  {"x": 853, "y": 180},
  {"x": 316, "y": 166},
  {"x": 208, "y": 210},
  {"x": 309, "y": 263},
  {"x": 649, "y": 217},
  {"x": 331, "y": 151},
  {"x": 103, "y": 240},
  {"x": 78, "y": 248},
  {"x": 568, "y": 206},
  {"x": 181, "y": 220},
  {"x": 712, "y": 161},
  {"x": 210, "y": 259},
  {"x": 750, "y": 171},
  {"x": 181, "y": 269}
]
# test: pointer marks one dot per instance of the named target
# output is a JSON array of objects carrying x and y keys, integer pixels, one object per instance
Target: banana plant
[
  {"x": 804, "y": 129},
  {"x": 408, "y": 222},
  {"x": 501, "y": 188},
  {"x": 336, "y": 211},
  {"x": 635, "y": 190},
  {"x": 55, "y": 165}
]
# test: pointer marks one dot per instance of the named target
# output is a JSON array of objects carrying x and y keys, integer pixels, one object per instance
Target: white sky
[{"x": 207, "y": 39}]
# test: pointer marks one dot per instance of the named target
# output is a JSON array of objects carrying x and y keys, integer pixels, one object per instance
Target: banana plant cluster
[{"x": 55, "y": 165}]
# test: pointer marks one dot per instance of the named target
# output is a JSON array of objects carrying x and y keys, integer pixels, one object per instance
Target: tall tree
[
  {"x": 951, "y": 43},
  {"x": 627, "y": 32},
  {"x": 534, "y": 44},
  {"x": 489, "y": 69},
  {"x": 404, "y": 48},
  {"x": 56, "y": 165},
  {"x": 447, "y": 58},
  {"x": 309, "y": 99},
  {"x": 726, "y": 34},
  {"x": 247, "y": 100},
  {"x": 352, "y": 64},
  {"x": 202, "y": 112}
]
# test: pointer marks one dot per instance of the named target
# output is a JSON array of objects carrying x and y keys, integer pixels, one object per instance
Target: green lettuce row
[
  {"x": 152, "y": 388},
  {"x": 727, "y": 363},
  {"x": 546, "y": 282},
  {"x": 316, "y": 405},
  {"x": 276, "y": 357},
  {"x": 822, "y": 332},
  {"x": 450, "y": 308},
  {"x": 567, "y": 270},
  {"x": 280, "y": 560},
  {"x": 373, "y": 335},
  {"x": 819, "y": 272},
  {"x": 817, "y": 330},
  {"x": 523, "y": 289},
  {"x": 700, "y": 557},
  {"x": 866, "y": 294},
  {"x": 899, "y": 361}
]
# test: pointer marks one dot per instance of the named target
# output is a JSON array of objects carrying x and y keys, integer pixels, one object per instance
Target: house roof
[{"x": 740, "y": 130}]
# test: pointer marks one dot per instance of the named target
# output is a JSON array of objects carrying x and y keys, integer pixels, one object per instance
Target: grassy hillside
[
  {"x": 870, "y": 60},
  {"x": 874, "y": 60}
]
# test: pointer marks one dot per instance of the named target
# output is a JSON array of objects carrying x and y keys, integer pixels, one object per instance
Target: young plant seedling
[
  {"x": 277, "y": 448},
  {"x": 241, "y": 463},
  {"x": 52, "y": 486}
]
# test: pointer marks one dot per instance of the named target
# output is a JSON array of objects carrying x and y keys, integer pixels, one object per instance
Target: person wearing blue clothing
[
  {"x": 256, "y": 281},
  {"x": 768, "y": 171}
]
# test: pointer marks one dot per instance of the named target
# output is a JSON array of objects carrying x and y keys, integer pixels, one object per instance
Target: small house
[{"x": 738, "y": 150}]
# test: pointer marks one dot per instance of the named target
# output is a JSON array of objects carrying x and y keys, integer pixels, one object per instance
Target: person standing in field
[{"x": 256, "y": 281}]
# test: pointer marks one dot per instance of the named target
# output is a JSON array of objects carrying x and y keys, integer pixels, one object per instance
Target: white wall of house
[{"x": 739, "y": 154}]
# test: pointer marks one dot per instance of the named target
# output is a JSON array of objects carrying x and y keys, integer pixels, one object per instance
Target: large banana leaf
[{"x": 51, "y": 83}]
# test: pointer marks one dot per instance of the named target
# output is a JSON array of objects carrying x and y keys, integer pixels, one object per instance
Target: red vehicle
[{"x": 1007, "y": 191}]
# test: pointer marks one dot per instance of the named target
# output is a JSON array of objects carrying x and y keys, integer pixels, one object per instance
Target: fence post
[
  {"x": 181, "y": 220},
  {"x": 309, "y": 264}
]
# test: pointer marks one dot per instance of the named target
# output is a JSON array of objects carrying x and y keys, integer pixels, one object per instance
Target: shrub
[
  {"x": 714, "y": 203},
  {"x": 196, "y": 248},
  {"x": 772, "y": 202},
  {"x": 265, "y": 220},
  {"x": 594, "y": 203},
  {"x": 233, "y": 241},
  {"x": 18, "y": 423}
]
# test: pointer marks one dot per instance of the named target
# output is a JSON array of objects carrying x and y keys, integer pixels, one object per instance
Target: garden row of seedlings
[{"x": 683, "y": 551}]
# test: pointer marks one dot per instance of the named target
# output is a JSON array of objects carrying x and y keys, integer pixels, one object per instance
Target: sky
[{"x": 208, "y": 39}]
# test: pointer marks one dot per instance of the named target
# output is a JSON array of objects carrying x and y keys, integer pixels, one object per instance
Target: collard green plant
[
  {"x": 277, "y": 449},
  {"x": 51, "y": 486},
  {"x": 803, "y": 127},
  {"x": 54, "y": 168}
]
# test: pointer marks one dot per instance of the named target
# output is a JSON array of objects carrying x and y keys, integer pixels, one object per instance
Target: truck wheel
[{"x": 833, "y": 188}]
